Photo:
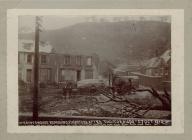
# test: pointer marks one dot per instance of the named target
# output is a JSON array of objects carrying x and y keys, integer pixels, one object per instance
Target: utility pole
[{"x": 36, "y": 70}]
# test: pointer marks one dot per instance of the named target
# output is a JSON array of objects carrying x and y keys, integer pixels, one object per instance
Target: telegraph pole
[{"x": 36, "y": 70}]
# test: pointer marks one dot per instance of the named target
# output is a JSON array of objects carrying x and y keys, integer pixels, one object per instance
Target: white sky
[
  {"x": 48, "y": 22},
  {"x": 27, "y": 23}
]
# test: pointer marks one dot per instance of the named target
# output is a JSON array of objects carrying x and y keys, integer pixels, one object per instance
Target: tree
[{"x": 131, "y": 109}]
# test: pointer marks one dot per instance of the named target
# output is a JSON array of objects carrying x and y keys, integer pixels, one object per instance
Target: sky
[{"x": 27, "y": 23}]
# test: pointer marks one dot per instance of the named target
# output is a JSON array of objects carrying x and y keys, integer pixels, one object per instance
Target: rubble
[{"x": 138, "y": 105}]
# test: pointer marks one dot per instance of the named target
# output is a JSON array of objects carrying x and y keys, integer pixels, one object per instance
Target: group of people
[{"x": 67, "y": 89}]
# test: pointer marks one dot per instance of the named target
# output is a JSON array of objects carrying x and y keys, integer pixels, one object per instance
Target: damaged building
[
  {"x": 156, "y": 72},
  {"x": 55, "y": 67}
]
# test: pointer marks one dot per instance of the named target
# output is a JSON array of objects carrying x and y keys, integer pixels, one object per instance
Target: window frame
[
  {"x": 78, "y": 59},
  {"x": 31, "y": 58},
  {"x": 67, "y": 60},
  {"x": 87, "y": 58},
  {"x": 46, "y": 59}
]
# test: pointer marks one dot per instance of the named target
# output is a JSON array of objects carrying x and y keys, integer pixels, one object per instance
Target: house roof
[
  {"x": 29, "y": 46},
  {"x": 125, "y": 68},
  {"x": 154, "y": 62},
  {"x": 166, "y": 56},
  {"x": 157, "y": 61}
]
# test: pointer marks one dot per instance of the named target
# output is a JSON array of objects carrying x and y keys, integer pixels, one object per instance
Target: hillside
[{"x": 116, "y": 42}]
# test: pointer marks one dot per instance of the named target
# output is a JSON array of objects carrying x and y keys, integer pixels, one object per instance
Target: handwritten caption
[{"x": 127, "y": 122}]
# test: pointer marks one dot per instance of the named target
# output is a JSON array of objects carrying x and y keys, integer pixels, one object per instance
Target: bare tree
[{"x": 131, "y": 109}]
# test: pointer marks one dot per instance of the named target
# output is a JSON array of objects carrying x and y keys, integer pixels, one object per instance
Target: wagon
[
  {"x": 90, "y": 84},
  {"x": 125, "y": 84}
]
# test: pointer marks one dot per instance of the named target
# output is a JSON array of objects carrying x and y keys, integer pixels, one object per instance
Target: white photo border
[{"x": 177, "y": 71}]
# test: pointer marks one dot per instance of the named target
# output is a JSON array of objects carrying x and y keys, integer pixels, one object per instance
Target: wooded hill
[{"x": 116, "y": 42}]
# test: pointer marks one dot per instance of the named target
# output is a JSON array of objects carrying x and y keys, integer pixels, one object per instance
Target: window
[
  {"x": 29, "y": 58},
  {"x": 89, "y": 61},
  {"x": 29, "y": 75},
  {"x": 43, "y": 59},
  {"x": 78, "y": 60},
  {"x": 20, "y": 74},
  {"x": 88, "y": 74},
  {"x": 19, "y": 59},
  {"x": 62, "y": 75},
  {"x": 67, "y": 60},
  {"x": 45, "y": 75},
  {"x": 67, "y": 75}
]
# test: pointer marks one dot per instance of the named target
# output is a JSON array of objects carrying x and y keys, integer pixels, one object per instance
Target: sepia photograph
[{"x": 96, "y": 69}]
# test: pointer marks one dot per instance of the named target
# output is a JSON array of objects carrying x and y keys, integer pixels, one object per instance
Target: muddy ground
[{"x": 52, "y": 102}]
